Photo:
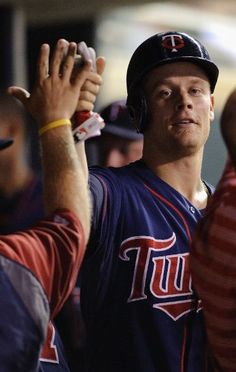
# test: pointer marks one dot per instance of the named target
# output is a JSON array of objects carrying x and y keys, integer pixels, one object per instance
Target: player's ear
[{"x": 212, "y": 114}]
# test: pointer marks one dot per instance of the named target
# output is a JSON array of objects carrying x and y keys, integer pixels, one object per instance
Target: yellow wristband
[{"x": 54, "y": 124}]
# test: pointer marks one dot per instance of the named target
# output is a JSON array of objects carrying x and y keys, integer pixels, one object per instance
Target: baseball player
[
  {"x": 39, "y": 267},
  {"x": 212, "y": 256},
  {"x": 137, "y": 298}
]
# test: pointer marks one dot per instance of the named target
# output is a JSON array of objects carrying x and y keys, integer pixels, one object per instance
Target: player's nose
[{"x": 183, "y": 100}]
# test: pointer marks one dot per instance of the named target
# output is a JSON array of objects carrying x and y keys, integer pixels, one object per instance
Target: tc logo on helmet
[{"x": 173, "y": 42}]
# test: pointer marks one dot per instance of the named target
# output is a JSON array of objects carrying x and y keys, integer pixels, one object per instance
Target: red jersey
[
  {"x": 38, "y": 270},
  {"x": 213, "y": 264}
]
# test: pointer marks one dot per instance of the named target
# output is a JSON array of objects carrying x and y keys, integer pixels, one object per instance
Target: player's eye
[
  {"x": 195, "y": 91},
  {"x": 164, "y": 93}
]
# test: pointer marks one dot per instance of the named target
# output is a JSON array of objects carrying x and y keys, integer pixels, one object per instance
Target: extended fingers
[
  {"x": 59, "y": 57},
  {"x": 43, "y": 63},
  {"x": 69, "y": 62},
  {"x": 46, "y": 66}
]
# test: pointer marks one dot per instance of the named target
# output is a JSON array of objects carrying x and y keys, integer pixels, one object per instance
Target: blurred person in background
[
  {"x": 120, "y": 143},
  {"x": 21, "y": 196}
]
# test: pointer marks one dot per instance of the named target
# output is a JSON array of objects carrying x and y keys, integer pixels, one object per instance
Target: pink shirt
[{"x": 213, "y": 265}]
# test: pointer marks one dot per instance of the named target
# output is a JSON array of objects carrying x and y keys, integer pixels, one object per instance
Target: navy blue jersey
[{"x": 137, "y": 298}]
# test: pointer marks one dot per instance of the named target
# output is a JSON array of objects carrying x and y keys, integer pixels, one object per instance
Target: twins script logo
[
  {"x": 173, "y": 42},
  {"x": 170, "y": 279}
]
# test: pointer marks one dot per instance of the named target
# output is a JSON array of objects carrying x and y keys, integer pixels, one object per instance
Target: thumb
[
  {"x": 19, "y": 93},
  {"x": 100, "y": 63}
]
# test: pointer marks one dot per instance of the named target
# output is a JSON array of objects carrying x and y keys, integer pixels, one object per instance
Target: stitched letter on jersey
[{"x": 170, "y": 283}]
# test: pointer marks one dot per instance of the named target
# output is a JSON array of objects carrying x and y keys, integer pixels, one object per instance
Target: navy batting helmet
[{"x": 161, "y": 49}]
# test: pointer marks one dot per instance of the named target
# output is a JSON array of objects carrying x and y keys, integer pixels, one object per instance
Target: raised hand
[{"x": 55, "y": 95}]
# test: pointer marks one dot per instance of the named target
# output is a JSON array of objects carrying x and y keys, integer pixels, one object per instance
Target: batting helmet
[{"x": 158, "y": 50}]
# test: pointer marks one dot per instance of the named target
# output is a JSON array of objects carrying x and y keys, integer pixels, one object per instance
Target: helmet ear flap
[{"x": 137, "y": 106}]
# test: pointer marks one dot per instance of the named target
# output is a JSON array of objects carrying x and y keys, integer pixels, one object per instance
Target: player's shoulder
[{"x": 118, "y": 174}]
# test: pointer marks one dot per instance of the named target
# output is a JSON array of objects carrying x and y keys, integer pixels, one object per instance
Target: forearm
[
  {"x": 52, "y": 102},
  {"x": 65, "y": 176},
  {"x": 82, "y": 159}
]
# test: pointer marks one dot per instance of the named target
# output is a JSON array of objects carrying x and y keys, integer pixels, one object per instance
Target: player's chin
[{"x": 188, "y": 145}]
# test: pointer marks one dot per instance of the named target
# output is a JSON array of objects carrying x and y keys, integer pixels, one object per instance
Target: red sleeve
[
  {"x": 53, "y": 251},
  {"x": 213, "y": 267}
]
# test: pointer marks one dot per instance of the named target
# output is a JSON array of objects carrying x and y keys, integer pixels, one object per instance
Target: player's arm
[
  {"x": 53, "y": 251},
  {"x": 55, "y": 97},
  {"x": 87, "y": 98}
]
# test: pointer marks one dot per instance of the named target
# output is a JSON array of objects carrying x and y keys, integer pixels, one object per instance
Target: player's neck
[{"x": 184, "y": 175}]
